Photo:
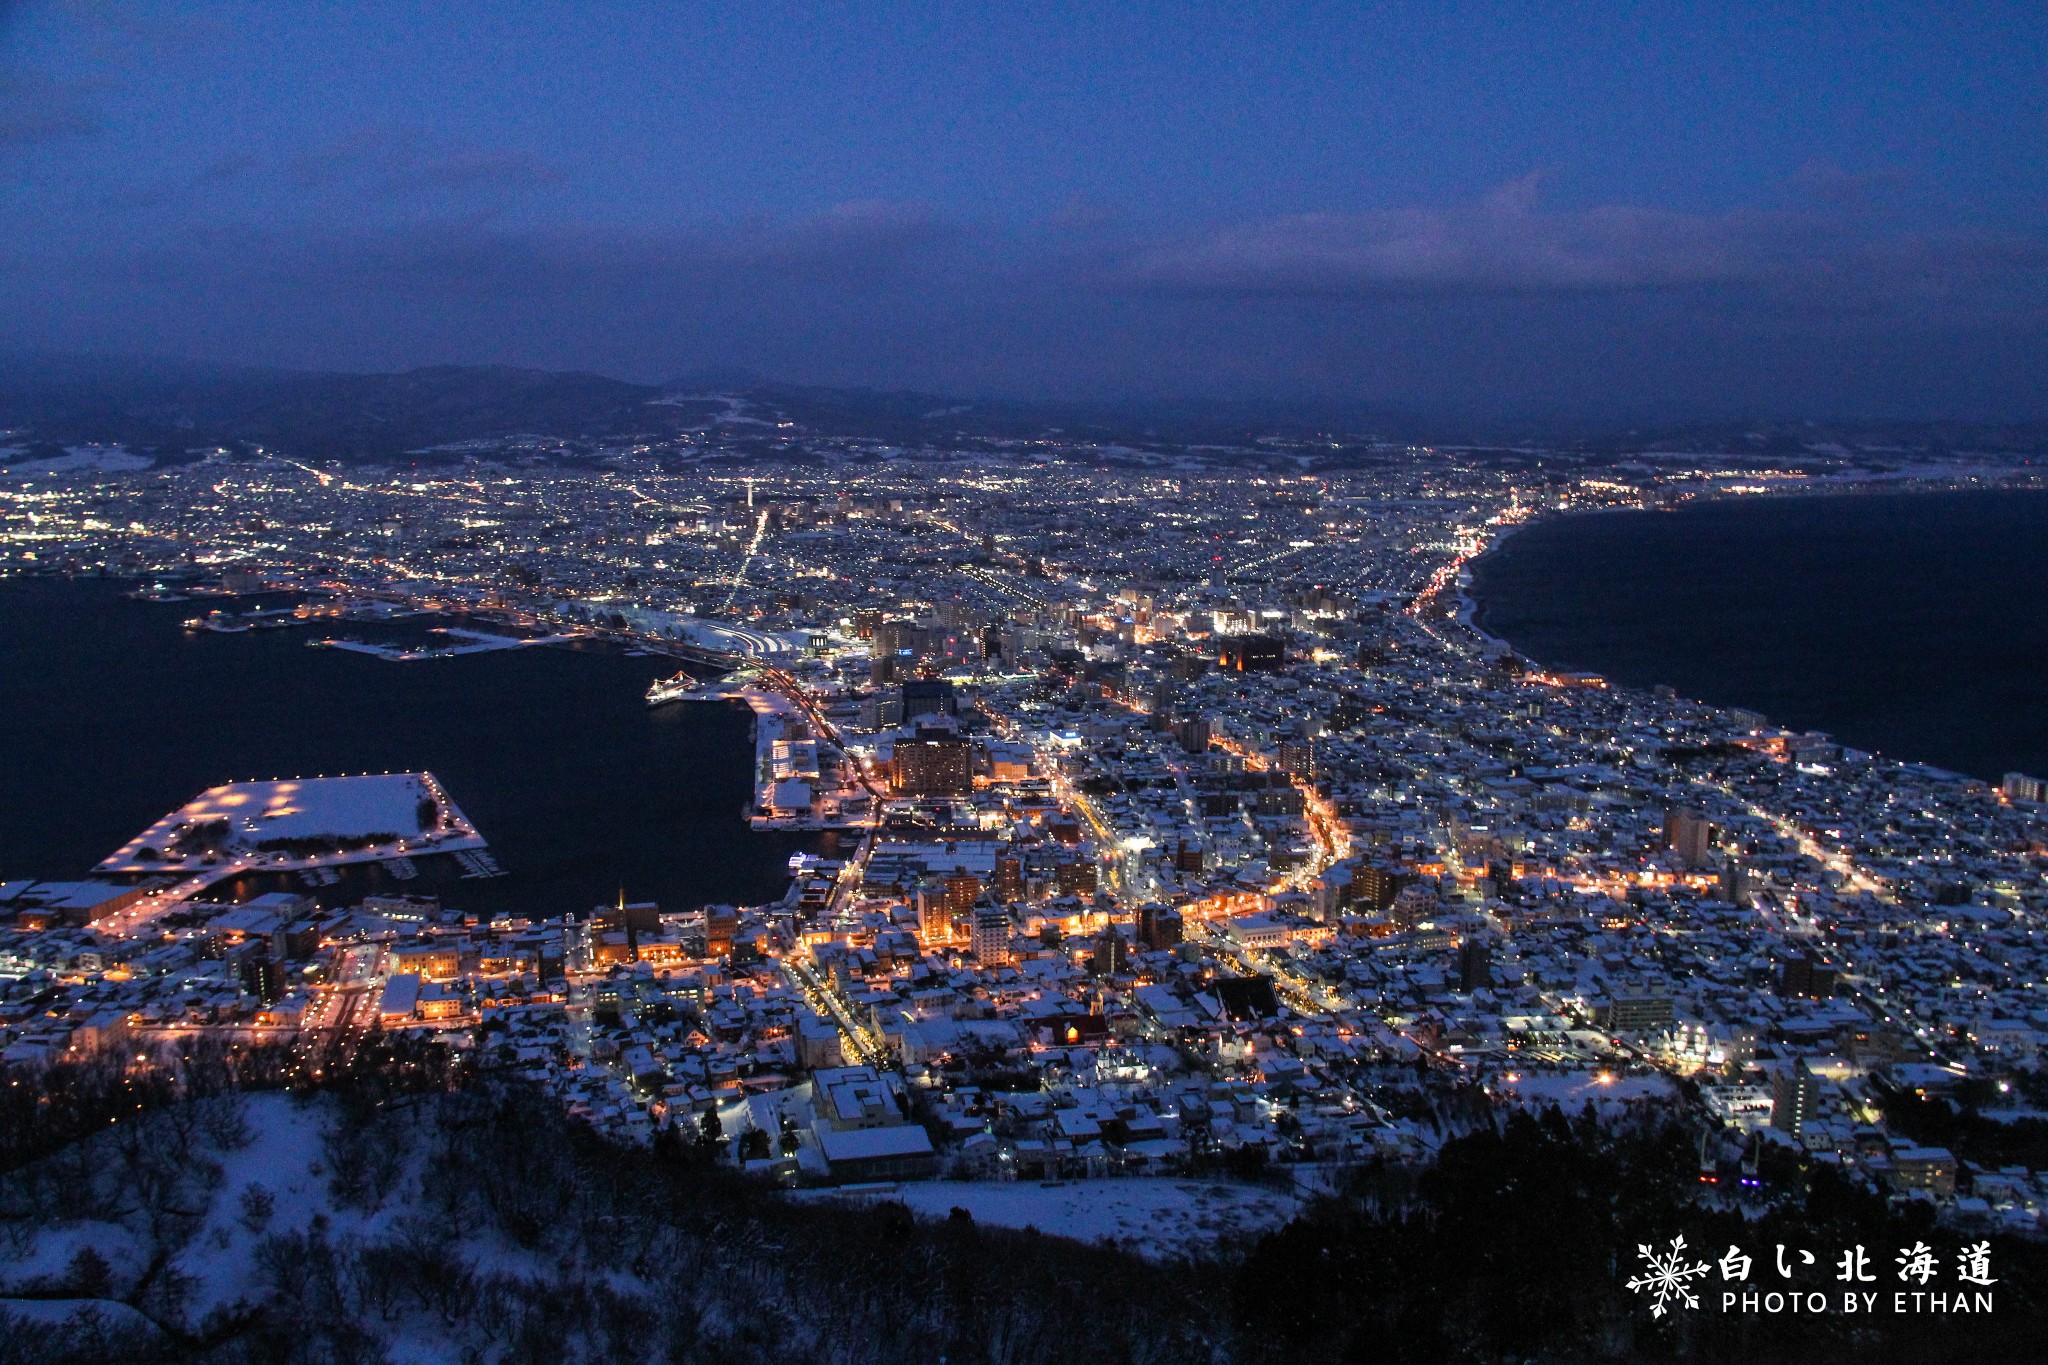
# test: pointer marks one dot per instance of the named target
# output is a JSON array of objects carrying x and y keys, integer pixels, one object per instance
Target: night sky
[{"x": 1640, "y": 210}]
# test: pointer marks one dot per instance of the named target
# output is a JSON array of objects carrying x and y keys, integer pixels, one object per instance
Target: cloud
[
  {"x": 34, "y": 109},
  {"x": 1497, "y": 301},
  {"x": 1503, "y": 244},
  {"x": 1508, "y": 245},
  {"x": 398, "y": 161},
  {"x": 1825, "y": 183},
  {"x": 381, "y": 167},
  {"x": 848, "y": 249}
]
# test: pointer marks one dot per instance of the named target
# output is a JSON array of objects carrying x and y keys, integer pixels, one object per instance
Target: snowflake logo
[{"x": 1666, "y": 1276}]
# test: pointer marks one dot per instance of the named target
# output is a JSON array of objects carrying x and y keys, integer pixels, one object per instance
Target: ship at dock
[
  {"x": 678, "y": 688},
  {"x": 220, "y": 622}
]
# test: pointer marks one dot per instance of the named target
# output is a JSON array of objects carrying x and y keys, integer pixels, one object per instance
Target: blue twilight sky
[{"x": 1632, "y": 209}]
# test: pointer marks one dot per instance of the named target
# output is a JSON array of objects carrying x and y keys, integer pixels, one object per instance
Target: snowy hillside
[{"x": 484, "y": 1226}]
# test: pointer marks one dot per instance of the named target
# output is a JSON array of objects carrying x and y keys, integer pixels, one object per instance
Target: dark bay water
[
  {"x": 1912, "y": 624},
  {"x": 112, "y": 715}
]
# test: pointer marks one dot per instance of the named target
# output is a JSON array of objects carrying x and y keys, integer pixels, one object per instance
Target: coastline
[
  {"x": 1906, "y": 483},
  {"x": 1470, "y": 606},
  {"x": 1899, "y": 625},
  {"x": 550, "y": 751}
]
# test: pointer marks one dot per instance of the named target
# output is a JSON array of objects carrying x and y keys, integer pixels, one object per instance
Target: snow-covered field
[
  {"x": 1155, "y": 1217},
  {"x": 76, "y": 460}
]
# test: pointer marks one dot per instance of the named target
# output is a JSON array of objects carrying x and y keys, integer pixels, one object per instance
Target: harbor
[
  {"x": 302, "y": 825},
  {"x": 553, "y": 754},
  {"x": 471, "y": 642},
  {"x": 803, "y": 780}
]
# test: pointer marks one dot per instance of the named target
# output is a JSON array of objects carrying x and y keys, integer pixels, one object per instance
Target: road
[{"x": 860, "y": 1043}]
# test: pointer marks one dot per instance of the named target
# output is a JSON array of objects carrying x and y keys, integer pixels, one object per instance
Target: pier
[{"x": 304, "y": 825}]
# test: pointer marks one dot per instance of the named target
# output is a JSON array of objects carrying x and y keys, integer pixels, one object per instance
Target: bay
[
  {"x": 1912, "y": 624},
  {"x": 111, "y": 715}
]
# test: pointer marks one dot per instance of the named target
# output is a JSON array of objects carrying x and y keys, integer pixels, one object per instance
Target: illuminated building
[
  {"x": 1251, "y": 654},
  {"x": 933, "y": 763},
  {"x": 1795, "y": 1098},
  {"x": 991, "y": 940}
]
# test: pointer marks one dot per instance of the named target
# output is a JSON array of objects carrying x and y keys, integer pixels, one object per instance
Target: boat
[
  {"x": 681, "y": 686},
  {"x": 218, "y": 621}
]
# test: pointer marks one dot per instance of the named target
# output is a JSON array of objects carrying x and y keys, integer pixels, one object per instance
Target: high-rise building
[
  {"x": 1807, "y": 974},
  {"x": 1687, "y": 833},
  {"x": 991, "y": 938},
  {"x": 1298, "y": 757},
  {"x": 934, "y": 916},
  {"x": 905, "y": 639},
  {"x": 932, "y": 763},
  {"x": 1009, "y": 884},
  {"x": 1475, "y": 964},
  {"x": 1251, "y": 654},
  {"x": 1374, "y": 886},
  {"x": 263, "y": 977},
  {"x": 1193, "y": 733},
  {"x": 1076, "y": 878},
  {"x": 1413, "y": 903},
  {"x": 1795, "y": 1098},
  {"x": 1159, "y": 927},
  {"x": 963, "y": 889},
  {"x": 928, "y": 697},
  {"x": 721, "y": 922},
  {"x": 1734, "y": 883},
  {"x": 1638, "y": 1011},
  {"x": 1110, "y": 954},
  {"x": 2020, "y": 787}
]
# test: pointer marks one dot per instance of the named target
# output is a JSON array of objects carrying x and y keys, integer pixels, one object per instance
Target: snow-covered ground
[
  {"x": 278, "y": 1183},
  {"x": 76, "y": 460},
  {"x": 1571, "y": 1090},
  {"x": 1155, "y": 1217},
  {"x": 300, "y": 808},
  {"x": 707, "y": 634},
  {"x": 426, "y": 1229},
  {"x": 283, "y": 1160}
]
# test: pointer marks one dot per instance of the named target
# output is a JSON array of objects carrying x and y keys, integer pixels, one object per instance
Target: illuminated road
[
  {"x": 860, "y": 1043},
  {"x": 739, "y": 578}
]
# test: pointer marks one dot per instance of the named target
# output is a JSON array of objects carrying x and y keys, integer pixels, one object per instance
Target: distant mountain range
[{"x": 168, "y": 408}]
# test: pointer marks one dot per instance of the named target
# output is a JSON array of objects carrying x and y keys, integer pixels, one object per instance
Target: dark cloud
[
  {"x": 852, "y": 249},
  {"x": 1509, "y": 245},
  {"x": 400, "y": 161},
  {"x": 380, "y": 166},
  {"x": 34, "y": 109},
  {"x": 1489, "y": 304},
  {"x": 1824, "y": 182}
]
